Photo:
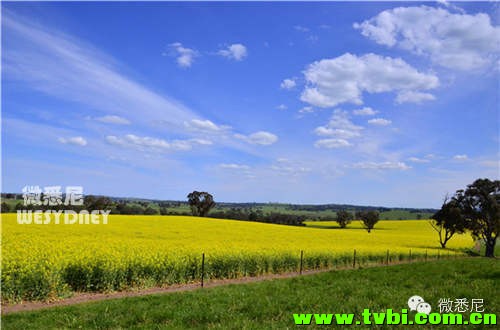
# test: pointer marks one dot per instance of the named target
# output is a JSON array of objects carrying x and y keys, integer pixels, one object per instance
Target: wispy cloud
[
  {"x": 301, "y": 28},
  {"x": 111, "y": 119},
  {"x": 69, "y": 69},
  {"x": 461, "y": 157},
  {"x": 154, "y": 144},
  {"x": 332, "y": 143},
  {"x": 381, "y": 166},
  {"x": 418, "y": 160},
  {"x": 233, "y": 166},
  {"x": 76, "y": 140},
  {"x": 261, "y": 138},
  {"x": 206, "y": 126},
  {"x": 379, "y": 122}
]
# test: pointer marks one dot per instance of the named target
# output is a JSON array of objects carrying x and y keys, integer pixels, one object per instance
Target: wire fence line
[{"x": 356, "y": 261}]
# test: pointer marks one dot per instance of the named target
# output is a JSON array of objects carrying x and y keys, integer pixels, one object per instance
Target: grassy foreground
[{"x": 271, "y": 304}]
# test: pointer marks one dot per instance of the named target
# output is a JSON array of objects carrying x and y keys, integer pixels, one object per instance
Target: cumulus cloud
[
  {"x": 452, "y": 40},
  {"x": 260, "y": 138},
  {"x": 288, "y": 84},
  {"x": 345, "y": 78},
  {"x": 235, "y": 52},
  {"x": 413, "y": 97},
  {"x": 185, "y": 56},
  {"x": 339, "y": 126},
  {"x": 111, "y": 119},
  {"x": 154, "y": 144},
  {"x": 366, "y": 111},
  {"x": 379, "y": 122},
  {"x": 332, "y": 143},
  {"x": 76, "y": 140},
  {"x": 381, "y": 166}
]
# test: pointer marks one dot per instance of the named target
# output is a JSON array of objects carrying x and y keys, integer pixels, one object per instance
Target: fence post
[
  {"x": 410, "y": 255},
  {"x": 354, "y": 259},
  {"x": 387, "y": 258},
  {"x": 438, "y": 254},
  {"x": 426, "y": 255},
  {"x": 301, "y": 258},
  {"x": 202, "y": 268}
]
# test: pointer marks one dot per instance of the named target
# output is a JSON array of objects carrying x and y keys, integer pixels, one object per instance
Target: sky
[{"x": 387, "y": 104}]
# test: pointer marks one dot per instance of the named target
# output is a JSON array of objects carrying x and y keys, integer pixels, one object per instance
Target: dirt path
[{"x": 79, "y": 298}]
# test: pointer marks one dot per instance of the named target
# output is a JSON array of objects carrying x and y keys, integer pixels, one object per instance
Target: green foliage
[
  {"x": 344, "y": 218},
  {"x": 200, "y": 202},
  {"x": 368, "y": 218}
]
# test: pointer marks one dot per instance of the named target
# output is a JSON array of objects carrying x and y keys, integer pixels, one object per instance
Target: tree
[
  {"x": 368, "y": 218},
  {"x": 150, "y": 211},
  {"x": 480, "y": 205},
  {"x": 448, "y": 221},
  {"x": 5, "y": 207},
  {"x": 344, "y": 218},
  {"x": 200, "y": 202}
]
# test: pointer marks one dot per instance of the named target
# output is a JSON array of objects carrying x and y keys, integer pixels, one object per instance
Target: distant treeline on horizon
[{"x": 281, "y": 213}]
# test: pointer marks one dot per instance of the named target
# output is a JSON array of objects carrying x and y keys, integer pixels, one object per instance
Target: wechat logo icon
[{"x": 417, "y": 303}]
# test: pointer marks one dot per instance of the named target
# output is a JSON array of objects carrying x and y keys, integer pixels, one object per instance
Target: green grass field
[{"x": 271, "y": 304}]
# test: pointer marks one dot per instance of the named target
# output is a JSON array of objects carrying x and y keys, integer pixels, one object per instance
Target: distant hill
[{"x": 308, "y": 211}]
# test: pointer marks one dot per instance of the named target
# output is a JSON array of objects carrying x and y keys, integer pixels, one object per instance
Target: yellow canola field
[{"x": 43, "y": 261}]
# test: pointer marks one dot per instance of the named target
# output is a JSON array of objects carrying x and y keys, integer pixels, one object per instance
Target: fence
[{"x": 359, "y": 261}]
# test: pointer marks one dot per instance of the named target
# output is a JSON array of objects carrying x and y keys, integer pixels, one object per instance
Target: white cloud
[
  {"x": 111, "y": 119},
  {"x": 453, "y": 40},
  {"x": 418, "y": 160},
  {"x": 261, "y": 138},
  {"x": 460, "y": 157},
  {"x": 347, "y": 77},
  {"x": 77, "y": 141},
  {"x": 288, "y": 84},
  {"x": 491, "y": 163},
  {"x": 185, "y": 56},
  {"x": 366, "y": 111},
  {"x": 154, "y": 144},
  {"x": 340, "y": 127},
  {"x": 281, "y": 107},
  {"x": 301, "y": 28},
  {"x": 289, "y": 168},
  {"x": 61, "y": 66},
  {"x": 332, "y": 143},
  {"x": 306, "y": 110},
  {"x": 205, "y": 126},
  {"x": 413, "y": 97},
  {"x": 235, "y": 52},
  {"x": 379, "y": 122},
  {"x": 381, "y": 166},
  {"x": 234, "y": 166}
]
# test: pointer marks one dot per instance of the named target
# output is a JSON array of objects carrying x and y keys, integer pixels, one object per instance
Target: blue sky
[{"x": 392, "y": 104}]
